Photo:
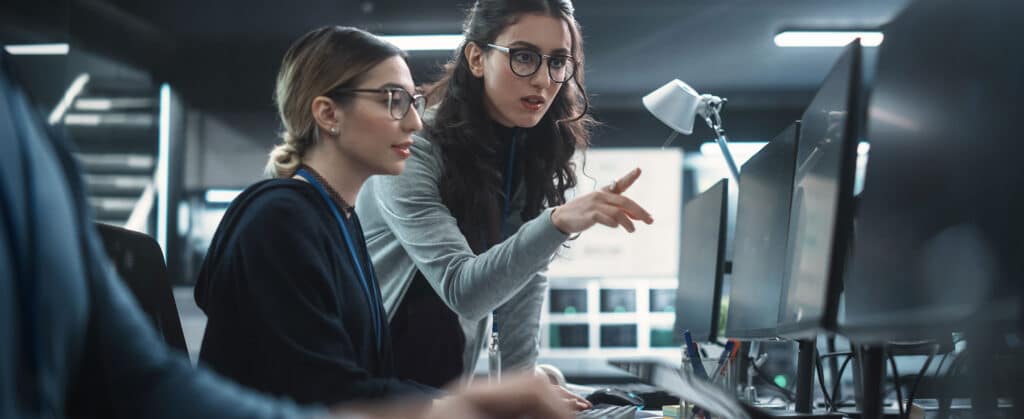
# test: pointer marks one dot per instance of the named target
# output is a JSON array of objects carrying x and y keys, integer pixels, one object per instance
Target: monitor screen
[
  {"x": 759, "y": 249},
  {"x": 938, "y": 241},
  {"x": 700, "y": 264},
  {"x": 618, "y": 300},
  {"x": 569, "y": 336},
  {"x": 618, "y": 336},
  {"x": 662, "y": 300},
  {"x": 567, "y": 301},
  {"x": 821, "y": 210}
]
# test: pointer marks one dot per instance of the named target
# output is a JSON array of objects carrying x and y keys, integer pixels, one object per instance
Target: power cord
[
  {"x": 917, "y": 380},
  {"x": 821, "y": 383},
  {"x": 839, "y": 379},
  {"x": 896, "y": 381},
  {"x": 954, "y": 366}
]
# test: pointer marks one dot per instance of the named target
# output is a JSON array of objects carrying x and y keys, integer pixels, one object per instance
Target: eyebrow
[
  {"x": 394, "y": 85},
  {"x": 559, "y": 51}
]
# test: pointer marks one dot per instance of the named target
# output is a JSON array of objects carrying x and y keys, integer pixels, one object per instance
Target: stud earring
[{"x": 334, "y": 130}]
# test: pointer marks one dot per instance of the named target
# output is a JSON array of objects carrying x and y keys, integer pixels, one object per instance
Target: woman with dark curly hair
[{"x": 480, "y": 211}]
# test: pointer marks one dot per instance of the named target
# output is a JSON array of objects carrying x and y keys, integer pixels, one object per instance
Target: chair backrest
[{"x": 140, "y": 264}]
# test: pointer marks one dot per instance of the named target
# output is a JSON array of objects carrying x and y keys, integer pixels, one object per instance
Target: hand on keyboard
[
  {"x": 575, "y": 402},
  {"x": 515, "y": 397}
]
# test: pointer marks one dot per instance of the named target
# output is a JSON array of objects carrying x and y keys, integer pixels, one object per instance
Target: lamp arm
[{"x": 713, "y": 117}]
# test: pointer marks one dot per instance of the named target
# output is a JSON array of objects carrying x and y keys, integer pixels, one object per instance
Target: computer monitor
[
  {"x": 821, "y": 211},
  {"x": 701, "y": 262},
  {"x": 939, "y": 236},
  {"x": 759, "y": 247}
]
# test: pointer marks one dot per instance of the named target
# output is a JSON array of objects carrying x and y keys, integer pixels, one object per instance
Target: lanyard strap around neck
[
  {"x": 506, "y": 202},
  {"x": 366, "y": 275}
]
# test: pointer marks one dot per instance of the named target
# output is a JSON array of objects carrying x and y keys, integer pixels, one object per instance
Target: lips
[
  {"x": 402, "y": 149},
  {"x": 533, "y": 102}
]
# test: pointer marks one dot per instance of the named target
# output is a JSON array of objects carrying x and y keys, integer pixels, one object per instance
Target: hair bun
[{"x": 284, "y": 159}]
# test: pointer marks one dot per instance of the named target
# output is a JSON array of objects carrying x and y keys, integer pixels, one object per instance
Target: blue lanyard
[
  {"x": 367, "y": 288},
  {"x": 506, "y": 202}
]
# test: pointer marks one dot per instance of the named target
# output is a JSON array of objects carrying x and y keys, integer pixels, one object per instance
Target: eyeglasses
[
  {"x": 525, "y": 62},
  {"x": 399, "y": 100}
]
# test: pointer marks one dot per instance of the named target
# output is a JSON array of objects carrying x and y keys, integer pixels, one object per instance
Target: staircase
[{"x": 114, "y": 126}]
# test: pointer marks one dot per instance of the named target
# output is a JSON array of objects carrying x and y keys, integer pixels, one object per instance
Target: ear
[
  {"x": 327, "y": 115},
  {"x": 475, "y": 58}
]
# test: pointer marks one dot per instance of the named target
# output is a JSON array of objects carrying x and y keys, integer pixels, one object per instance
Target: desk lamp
[{"x": 676, "y": 104}]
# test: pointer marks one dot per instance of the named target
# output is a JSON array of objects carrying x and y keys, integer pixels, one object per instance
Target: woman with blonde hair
[{"x": 291, "y": 296}]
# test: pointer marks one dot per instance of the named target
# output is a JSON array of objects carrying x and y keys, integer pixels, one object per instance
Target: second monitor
[
  {"x": 762, "y": 225},
  {"x": 821, "y": 216},
  {"x": 701, "y": 263}
]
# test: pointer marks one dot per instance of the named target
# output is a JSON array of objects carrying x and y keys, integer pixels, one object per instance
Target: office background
[{"x": 174, "y": 113}]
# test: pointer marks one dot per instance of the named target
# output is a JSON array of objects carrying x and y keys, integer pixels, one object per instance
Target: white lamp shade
[{"x": 674, "y": 104}]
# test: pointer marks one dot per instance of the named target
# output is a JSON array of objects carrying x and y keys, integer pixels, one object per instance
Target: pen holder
[{"x": 726, "y": 378}]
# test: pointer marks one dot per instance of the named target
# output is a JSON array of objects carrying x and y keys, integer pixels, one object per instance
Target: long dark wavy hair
[{"x": 471, "y": 184}]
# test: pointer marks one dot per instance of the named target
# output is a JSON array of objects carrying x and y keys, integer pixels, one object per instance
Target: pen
[
  {"x": 723, "y": 359},
  {"x": 691, "y": 351}
]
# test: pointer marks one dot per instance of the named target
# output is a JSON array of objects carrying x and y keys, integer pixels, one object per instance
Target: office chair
[{"x": 140, "y": 264}]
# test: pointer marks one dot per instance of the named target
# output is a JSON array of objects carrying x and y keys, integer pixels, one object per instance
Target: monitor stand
[
  {"x": 869, "y": 380},
  {"x": 804, "y": 406},
  {"x": 805, "y": 375}
]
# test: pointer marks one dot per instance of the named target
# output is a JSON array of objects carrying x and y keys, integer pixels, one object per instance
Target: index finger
[
  {"x": 620, "y": 185},
  {"x": 633, "y": 209}
]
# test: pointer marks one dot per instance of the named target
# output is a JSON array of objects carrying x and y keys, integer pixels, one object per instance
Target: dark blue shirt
[{"x": 286, "y": 308}]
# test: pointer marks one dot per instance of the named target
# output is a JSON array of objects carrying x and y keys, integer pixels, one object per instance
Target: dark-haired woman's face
[{"x": 513, "y": 100}]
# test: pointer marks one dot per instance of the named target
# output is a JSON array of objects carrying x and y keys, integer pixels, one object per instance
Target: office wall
[{"x": 228, "y": 149}]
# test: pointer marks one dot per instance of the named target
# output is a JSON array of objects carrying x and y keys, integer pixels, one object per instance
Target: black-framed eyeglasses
[
  {"x": 525, "y": 62},
  {"x": 399, "y": 100}
]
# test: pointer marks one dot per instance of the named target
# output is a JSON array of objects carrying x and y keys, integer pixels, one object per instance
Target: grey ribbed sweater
[{"x": 408, "y": 227}]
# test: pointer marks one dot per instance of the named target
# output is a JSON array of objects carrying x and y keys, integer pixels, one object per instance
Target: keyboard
[{"x": 608, "y": 412}]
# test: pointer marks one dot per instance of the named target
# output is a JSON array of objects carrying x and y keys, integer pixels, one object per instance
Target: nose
[
  {"x": 540, "y": 78},
  {"x": 412, "y": 121}
]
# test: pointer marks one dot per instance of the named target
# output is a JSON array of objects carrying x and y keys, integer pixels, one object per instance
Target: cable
[
  {"x": 917, "y": 381},
  {"x": 941, "y": 361},
  {"x": 838, "y": 380},
  {"x": 821, "y": 383},
  {"x": 896, "y": 381},
  {"x": 954, "y": 366},
  {"x": 834, "y": 354}
]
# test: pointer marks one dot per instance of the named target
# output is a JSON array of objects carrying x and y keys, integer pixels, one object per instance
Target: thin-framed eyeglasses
[
  {"x": 399, "y": 100},
  {"x": 525, "y": 62}
]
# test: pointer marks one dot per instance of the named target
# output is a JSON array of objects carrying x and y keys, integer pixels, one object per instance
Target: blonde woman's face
[
  {"x": 513, "y": 100},
  {"x": 369, "y": 136}
]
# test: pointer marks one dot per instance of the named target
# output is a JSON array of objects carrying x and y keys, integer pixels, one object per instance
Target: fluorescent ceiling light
[
  {"x": 37, "y": 49},
  {"x": 827, "y": 38},
  {"x": 425, "y": 42},
  {"x": 221, "y": 196},
  {"x": 863, "y": 148}
]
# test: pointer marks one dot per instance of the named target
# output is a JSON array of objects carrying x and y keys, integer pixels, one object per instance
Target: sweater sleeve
[
  {"x": 518, "y": 323},
  {"x": 471, "y": 285}
]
